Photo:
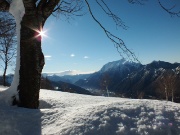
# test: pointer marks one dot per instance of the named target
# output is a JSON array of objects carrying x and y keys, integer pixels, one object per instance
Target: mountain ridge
[{"x": 134, "y": 80}]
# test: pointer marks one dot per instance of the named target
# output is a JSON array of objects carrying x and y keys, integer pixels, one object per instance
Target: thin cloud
[
  {"x": 48, "y": 57},
  {"x": 72, "y": 55},
  {"x": 86, "y": 57}
]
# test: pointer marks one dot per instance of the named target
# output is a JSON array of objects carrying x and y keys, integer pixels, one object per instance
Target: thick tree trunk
[
  {"x": 31, "y": 56},
  {"x": 31, "y": 62},
  {"x": 33, "y": 14}
]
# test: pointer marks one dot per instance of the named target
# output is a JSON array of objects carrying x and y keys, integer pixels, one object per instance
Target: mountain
[
  {"x": 156, "y": 80},
  {"x": 65, "y": 78},
  {"x": 62, "y": 73},
  {"x": 148, "y": 81},
  {"x": 67, "y": 87},
  {"x": 135, "y": 80},
  {"x": 54, "y": 77},
  {"x": 46, "y": 83},
  {"x": 119, "y": 65},
  {"x": 62, "y": 86},
  {"x": 115, "y": 71}
]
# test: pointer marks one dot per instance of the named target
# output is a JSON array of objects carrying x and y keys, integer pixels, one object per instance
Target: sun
[{"x": 42, "y": 33}]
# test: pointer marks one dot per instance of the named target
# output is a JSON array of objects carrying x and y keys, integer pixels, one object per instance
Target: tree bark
[
  {"x": 31, "y": 56},
  {"x": 31, "y": 62},
  {"x": 4, "y": 74}
]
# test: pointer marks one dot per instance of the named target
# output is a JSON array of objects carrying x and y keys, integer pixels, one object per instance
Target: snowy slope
[
  {"x": 72, "y": 114},
  {"x": 119, "y": 65}
]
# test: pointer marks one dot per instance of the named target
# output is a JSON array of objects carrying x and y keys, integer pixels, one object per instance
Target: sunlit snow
[
  {"x": 17, "y": 10},
  {"x": 72, "y": 114}
]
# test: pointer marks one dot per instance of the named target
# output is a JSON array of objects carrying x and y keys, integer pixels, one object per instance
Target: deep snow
[
  {"x": 17, "y": 10},
  {"x": 63, "y": 113}
]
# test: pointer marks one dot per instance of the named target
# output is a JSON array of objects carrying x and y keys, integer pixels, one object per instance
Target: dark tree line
[{"x": 168, "y": 86}]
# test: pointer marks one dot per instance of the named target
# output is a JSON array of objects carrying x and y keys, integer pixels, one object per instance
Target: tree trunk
[
  {"x": 4, "y": 75},
  {"x": 31, "y": 62},
  {"x": 172, "y": 94},
  {"x": 107, "y": 91},
  {"x": 166, "y": 92}
]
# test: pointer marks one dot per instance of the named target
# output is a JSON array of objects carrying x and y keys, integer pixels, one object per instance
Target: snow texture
[
  {"x": 63, "y": 113},
  {"x": 17, "y": 10}
]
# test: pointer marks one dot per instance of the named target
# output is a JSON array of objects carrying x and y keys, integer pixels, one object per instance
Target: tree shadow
[{"x": 18, "y": 121}]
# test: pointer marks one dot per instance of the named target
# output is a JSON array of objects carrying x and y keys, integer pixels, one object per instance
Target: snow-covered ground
[{"x": 63, "y": 113}]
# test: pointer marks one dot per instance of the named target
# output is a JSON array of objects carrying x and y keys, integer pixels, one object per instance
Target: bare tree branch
[
  {"x": 49, "y": 7},
  {"x": 118, "y": 43},
  {"x": 116, "y": 19},
  {"x": 69, "y": 8},
  {"x": 9, "y": 26},
  {"x": 141, "y": 2},
  {"x": 170, "y": 10}
]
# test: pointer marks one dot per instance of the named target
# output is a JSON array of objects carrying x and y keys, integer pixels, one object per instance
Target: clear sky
[{"x": 81, "y": 44}]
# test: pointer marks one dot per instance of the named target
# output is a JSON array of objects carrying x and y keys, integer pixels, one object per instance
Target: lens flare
[{"x": 41, "y": 34}]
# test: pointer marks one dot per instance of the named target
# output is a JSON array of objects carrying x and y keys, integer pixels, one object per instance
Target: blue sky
[{"x": 82, "y": 45}]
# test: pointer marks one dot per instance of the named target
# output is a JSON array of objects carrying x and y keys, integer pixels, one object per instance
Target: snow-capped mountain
[
  {"x": 149, "y": 79},
  {"x": 72, "y": 76},
  {"x": 134, "y": 79},
  {"x": 118, "y": 65},
  {"x": 116, "y": 70}
]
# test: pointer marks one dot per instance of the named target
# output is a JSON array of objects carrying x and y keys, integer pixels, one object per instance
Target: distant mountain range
[
  {"x": 134, "y": 80},
  {"x": 65, "y": 78},
  {"x": 54, "y": 82},
  {"x": 67, "y": 72},
  {"x": 127, "y": 79},
  {"x": 62, "y": 86},
  {"x": 116, "y": 71}
]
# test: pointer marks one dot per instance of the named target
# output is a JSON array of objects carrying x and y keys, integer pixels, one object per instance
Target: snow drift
[{"x": 63, "y": 113}]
